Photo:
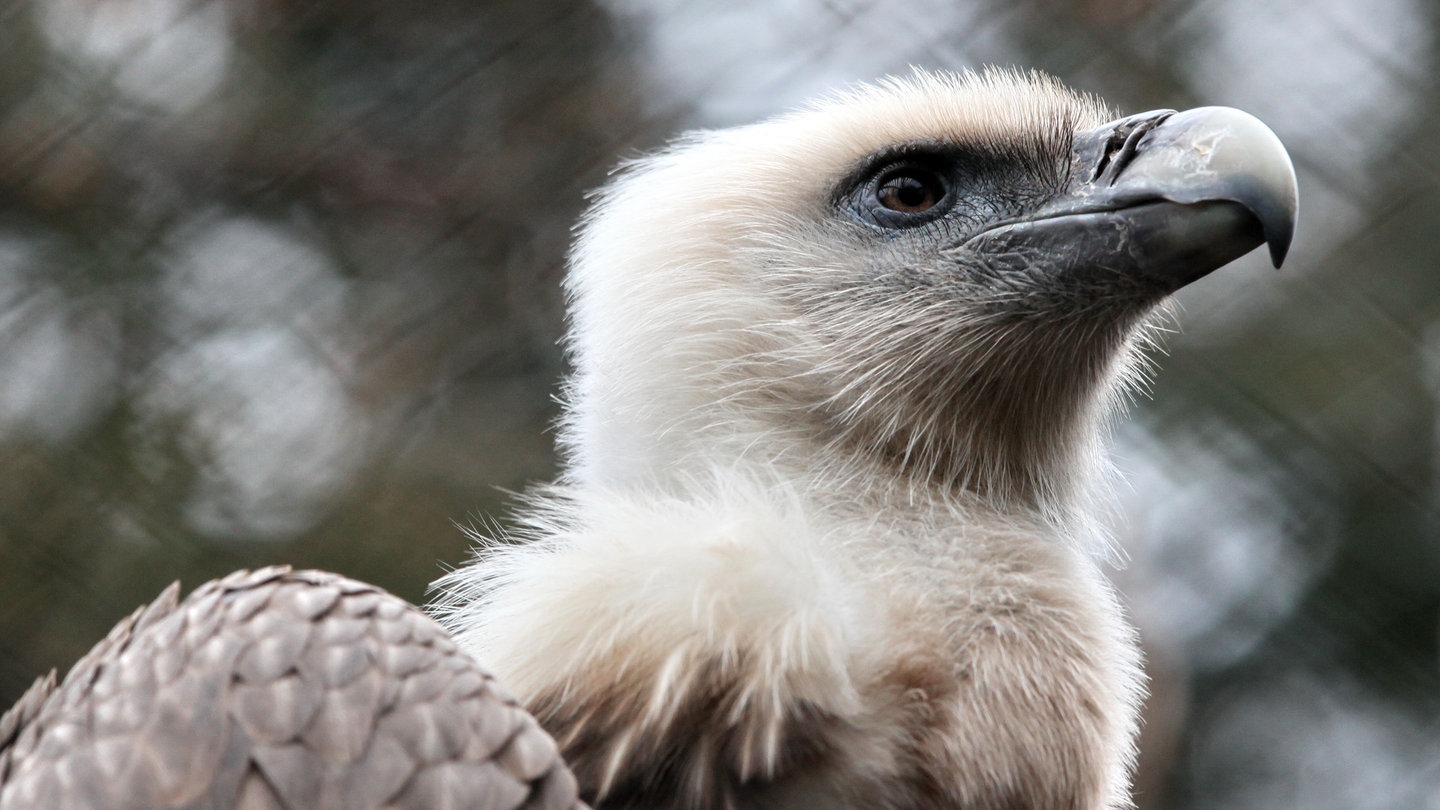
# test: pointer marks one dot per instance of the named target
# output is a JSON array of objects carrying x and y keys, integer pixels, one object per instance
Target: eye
[
  {"x": 910, "y": 190},
  {"x": 904, "y": 193}
]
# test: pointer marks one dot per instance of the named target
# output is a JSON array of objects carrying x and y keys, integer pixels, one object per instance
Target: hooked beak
[{"x": 1163, "y": 197}]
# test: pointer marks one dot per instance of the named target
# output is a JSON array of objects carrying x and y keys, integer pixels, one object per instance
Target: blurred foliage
[
  {"x": 279, "y": 283},
  {"x": 366, "y": 195}
]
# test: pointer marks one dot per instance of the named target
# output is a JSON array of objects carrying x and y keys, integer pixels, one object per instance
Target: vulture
[{"x": 826, "y": 534}]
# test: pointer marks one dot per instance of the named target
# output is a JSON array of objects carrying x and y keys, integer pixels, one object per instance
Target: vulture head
[
  {"x": 948, "y": 276},
  {"x": 840, "y": 377}
]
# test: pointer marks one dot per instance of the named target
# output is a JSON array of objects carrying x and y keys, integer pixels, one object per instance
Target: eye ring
[{"x": 905, "y": 193}]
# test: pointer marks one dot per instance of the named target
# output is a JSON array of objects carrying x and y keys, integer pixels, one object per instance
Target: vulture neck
[
  {"x": 1020, "y": 431},
  {"x": 1021, "y": 437}
]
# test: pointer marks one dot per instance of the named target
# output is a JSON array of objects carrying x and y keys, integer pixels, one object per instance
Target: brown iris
[{"x": 910, "y": 191}]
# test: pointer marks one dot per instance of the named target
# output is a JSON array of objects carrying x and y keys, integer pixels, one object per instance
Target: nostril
[
  {"x": 1115, "y": 141},
  {"x": 1128, "y": 149},
  {"x": 1124, "y": 144}
]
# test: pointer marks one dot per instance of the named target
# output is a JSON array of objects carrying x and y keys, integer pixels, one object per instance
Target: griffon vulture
[{"x": 825, "y": 536}]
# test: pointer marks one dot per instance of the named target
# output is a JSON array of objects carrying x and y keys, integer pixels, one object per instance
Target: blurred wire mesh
[{"x": 278, "y": 284}]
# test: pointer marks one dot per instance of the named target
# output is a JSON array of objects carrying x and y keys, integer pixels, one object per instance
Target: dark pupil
[{"x": 908, "y": 193}]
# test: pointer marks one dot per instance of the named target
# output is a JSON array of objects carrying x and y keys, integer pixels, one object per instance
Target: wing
[{"x": 277, "y": 689}]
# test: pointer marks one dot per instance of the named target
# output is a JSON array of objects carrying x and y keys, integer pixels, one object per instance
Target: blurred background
[{"x": 278, "y": 284}]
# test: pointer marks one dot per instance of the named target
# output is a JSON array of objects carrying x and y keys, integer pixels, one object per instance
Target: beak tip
[
  {"x": 1279, "y": 225},
  {"x": 1278, "y": 249},
  {"x": 1279, "y": 231}
]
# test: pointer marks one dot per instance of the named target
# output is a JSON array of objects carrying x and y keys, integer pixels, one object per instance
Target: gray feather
[{"x": 277, "y": 689}]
